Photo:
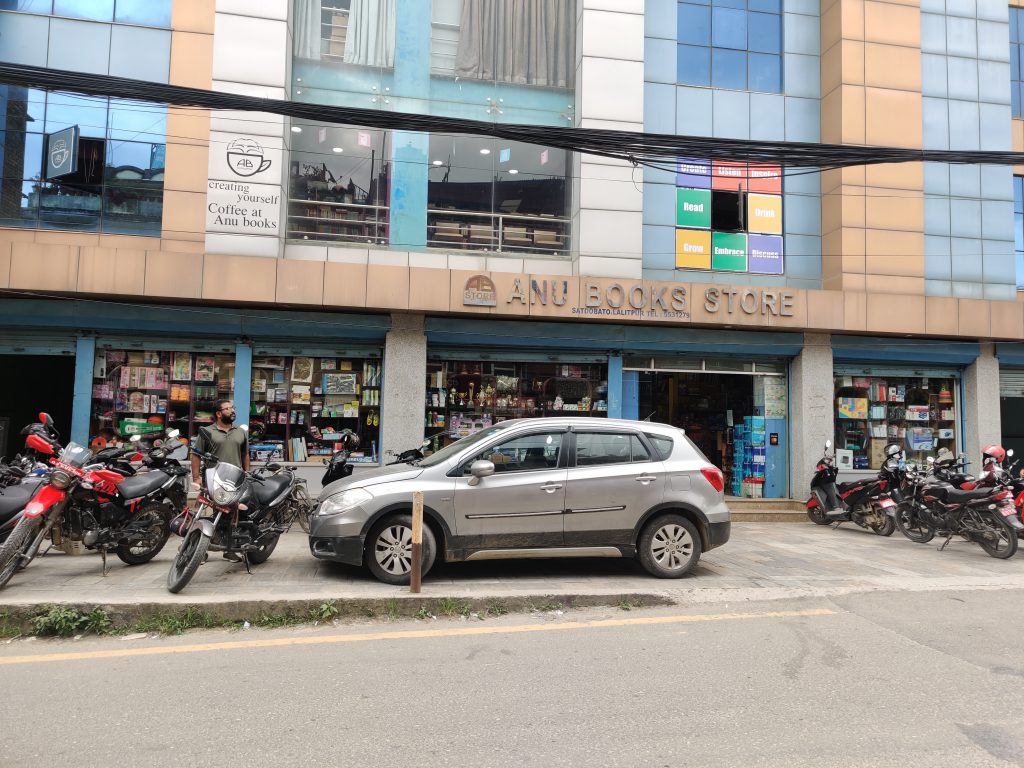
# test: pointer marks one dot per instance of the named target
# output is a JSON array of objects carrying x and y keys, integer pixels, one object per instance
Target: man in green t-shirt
[{"x": 223, "y": 439}]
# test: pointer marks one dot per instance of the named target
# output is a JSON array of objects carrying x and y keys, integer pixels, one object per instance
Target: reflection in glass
[
  {"x": 96, "y": 10},
  {"x": 728, "y": 69},
  {"x": 694, "y": 65},
  {"x": 497, "y": 195},
  {"x": 89, "y": 113},
  {"x": 339, "y": 184},
  {"x": 358, "y": 32},
  {"x": 149, "y": 13},
  {"x": 765, "y": 73},
  {"x": 27, "y": 6}
]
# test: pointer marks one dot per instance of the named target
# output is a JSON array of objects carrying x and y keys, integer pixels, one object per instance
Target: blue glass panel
[
  {"x": 70, "y": 207},
  {"x": 1018, "y": 194},
  {"x": 27, "y": 6},
  {"x": 139, "y": 122},
  {"x": 694, "y": 24},
  {"x": 741, "y": 4},
  {"x": 22, "y": 155},
  {"x": 694, "y": 65},
  {"x": 769, "y": 6},
  {"x": 1013, "y": 26},
  {"x": 1018, "y": 231},
  {"x": 765, "y": 73},
  {"x": 728, "y": 69},
  {"x": 88, "y": 113},
  {"x": 97, "y": 10},
  {"x": 19, "y": 203},
  {"x": 1014, "y": 62},
  {"x": 764, "y": 33},
  {"x": 21, "y": 109},
  {"x": 1015, "y": 99},
  {"x": 150, "y": 13},
  {"x": 1020, "y": 268},
  {"x": 728, "y": 28}
]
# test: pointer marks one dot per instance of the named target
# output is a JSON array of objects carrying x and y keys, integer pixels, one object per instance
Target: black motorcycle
[
  {"x": 242, "y": 514},
  {"x": 863, "y": 502}
]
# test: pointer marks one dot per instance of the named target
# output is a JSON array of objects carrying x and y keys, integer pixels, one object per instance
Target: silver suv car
[{"x": 552, "y": 487}]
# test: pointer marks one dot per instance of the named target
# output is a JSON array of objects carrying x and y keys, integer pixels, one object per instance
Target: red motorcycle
[{"x": 84, "y": 501}]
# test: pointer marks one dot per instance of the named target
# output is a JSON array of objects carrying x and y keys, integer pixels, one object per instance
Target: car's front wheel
[
  {"x": 389, "y": 549},
  {"x": 669, "y": 546}
]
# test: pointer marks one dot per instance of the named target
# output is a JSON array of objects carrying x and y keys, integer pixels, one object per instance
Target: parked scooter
[
  {"x": 863, "y": 502},
  {"x": 410, "y": 456}
]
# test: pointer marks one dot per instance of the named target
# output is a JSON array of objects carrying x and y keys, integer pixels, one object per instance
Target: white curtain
[
  {"x": 307, "y": 29},
  {"x": 371, "y": 33}
]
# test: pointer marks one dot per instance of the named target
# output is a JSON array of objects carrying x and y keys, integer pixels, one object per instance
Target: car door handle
[
  {"x": 645, "y": 479},
  {"x": 551, "y": 487}
]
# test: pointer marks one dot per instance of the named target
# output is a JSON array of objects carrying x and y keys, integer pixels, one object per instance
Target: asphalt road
[{"x": 879, "y": 679}]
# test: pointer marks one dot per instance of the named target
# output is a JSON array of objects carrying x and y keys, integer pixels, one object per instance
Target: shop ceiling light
[
  {"x": 437, "y": 162},
  {"x": 513, "y": 171},
  {"x": 296, "y": 129},
  {"x": 337, "y": 149},
  {"x": 485, "y": 151}
]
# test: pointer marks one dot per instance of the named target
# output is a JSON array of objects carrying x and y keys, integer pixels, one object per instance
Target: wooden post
[{"x": 417, "y": 542}]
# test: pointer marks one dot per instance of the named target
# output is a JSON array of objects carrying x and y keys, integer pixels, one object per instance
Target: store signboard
[
  {"x": 693, "y": 173},
  {"x": 693, "y": 208},
  {"x": 764, "y": 214},
  {"x": 61, "y": 152},
  {"x": 693, "y": 249},
  {"x": 765, "y": 254},
  {"x": 765, "y": 178},
  {"x": 729, "y": 251},
  {"x": 243, "y": 208}
]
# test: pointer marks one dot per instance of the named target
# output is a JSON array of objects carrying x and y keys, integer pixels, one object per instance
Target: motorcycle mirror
[
  {"x": 45, "y": 419},
  {"x": 1010, "y": 453},
  {"x": 173, "y": 434},
  {"x": 425, "y": 443},
  {"x": 828, "y": 444},
  {"x": 244, "y": 427},
  {"x": 931, "y": 459},
  {"x": 135, "y": 438}
]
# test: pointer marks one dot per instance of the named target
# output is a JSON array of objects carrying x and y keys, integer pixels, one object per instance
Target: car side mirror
[{"x": 480, "y": 469}]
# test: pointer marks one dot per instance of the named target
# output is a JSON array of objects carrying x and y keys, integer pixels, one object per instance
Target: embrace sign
[{"x": 62, "y": 152}]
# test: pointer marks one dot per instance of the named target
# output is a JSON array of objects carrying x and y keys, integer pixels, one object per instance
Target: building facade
[{"x": 407, "y": 285}]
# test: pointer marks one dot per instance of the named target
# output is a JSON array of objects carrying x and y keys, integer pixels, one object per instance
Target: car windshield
[{"x": 460, "y": 445}]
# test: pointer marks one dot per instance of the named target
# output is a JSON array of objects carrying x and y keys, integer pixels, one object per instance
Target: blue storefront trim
[
  {"x": 884, "y": 350},
  {"x": 1010, "y": 354},
  {"x": 85, "y": 354}
]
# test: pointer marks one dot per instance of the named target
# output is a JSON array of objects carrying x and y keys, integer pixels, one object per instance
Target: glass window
[
  {"x": 134, "y": 121},
  {"x": 596, "y": 448},
  {"x": 764, "y": 33},
  {"x": 142, "y": 54},
  {"x": 89, "y": 113},
  {"x": 149, "y": 13},
  {"x": 1018, "y": 227},
  {"x": 463, "y": 398},
  {"x": 728, "y": 28},
  {"x": 23, "y": 39},
  {"x": 95, "y": 10},
  {"x": 764, "y": 73},
  {"x": 339, "y": 181},
  {"x": 496, "y": 195},
  {"x": 1016, "y": 50},
  {"x": 79, "y": 46},
  {"x": 694, "y": 24},
  {"x": 24, "y": 108},
  {"x": 142, "y": 391},
  {"x": 304, "y": 405},
  {"x": 524, "y": 454},
  {"x": 663, "y": 445},
  {"x": 728, "y": 69},
  {"x": 27, "y": 6},
  {"x": 694, "y": 65},
  {"x": 919, "y": 413}
]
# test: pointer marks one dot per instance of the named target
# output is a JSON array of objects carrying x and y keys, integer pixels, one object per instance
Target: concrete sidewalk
[{"x": 762, "y": 561}]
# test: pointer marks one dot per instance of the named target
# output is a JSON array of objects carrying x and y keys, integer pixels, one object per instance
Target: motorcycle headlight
[
  {"x": 222, "y": 495},
  {"x": 60, "y": 479},
  {"x": 338, "y": 503}
]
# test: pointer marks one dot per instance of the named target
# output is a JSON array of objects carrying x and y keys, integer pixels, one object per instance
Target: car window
[
  {"x": 596, "y": 448},
  {"x": 523, "y": 453},
  {"x": 458, "y": 446},
  {"x": 662, "y": 444}
]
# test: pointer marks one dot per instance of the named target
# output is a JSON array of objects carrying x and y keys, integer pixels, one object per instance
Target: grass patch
[
  {"x": 324, "y": 612},
  {"x": 450, "y": 606},
  {"x": 625, "y": 604}
]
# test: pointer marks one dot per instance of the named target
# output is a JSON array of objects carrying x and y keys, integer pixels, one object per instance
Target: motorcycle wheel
[
  {"x": 187, "y": 561},
  {"x": 1003, "y": 545},
  {"x": 885, "y": 529},
  {"x": 156, "y": 535},
  {"x": 20, "y": 538},
  {"x": 261, "y": 555},
  {"x": 304, "y": 506},
  {"x": 817, "y": 516},
  {"x": 912, "y": 526}
]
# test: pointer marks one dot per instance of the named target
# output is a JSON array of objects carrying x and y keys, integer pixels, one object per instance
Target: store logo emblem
[
  {"x": 480, "y": 292},
  {"x": 245, "y": 157},
  {"x": 59, "y": 153}
]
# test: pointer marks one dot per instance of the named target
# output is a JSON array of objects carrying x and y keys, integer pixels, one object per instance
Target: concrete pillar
[
  {"x": 614, "y": 386},
  {"x": 242, "y": 394},
  {"x": 981, "y": 418},
  {"x": 811, "y": 417},
  {"x": 405, "y": 381},
  {"x": 85, "y": 356}
]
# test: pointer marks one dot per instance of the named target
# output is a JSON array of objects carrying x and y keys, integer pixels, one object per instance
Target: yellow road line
[{"x": 409, "y": 634}]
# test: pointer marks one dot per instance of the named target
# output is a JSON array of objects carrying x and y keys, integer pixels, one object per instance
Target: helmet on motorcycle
[
  {"x": 993, "y": 453},
  {"x": 892, "y": 450},
  {"x": 350, "y": 440}
]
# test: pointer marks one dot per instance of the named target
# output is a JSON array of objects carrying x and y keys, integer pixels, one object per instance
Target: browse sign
[{"x": 62, "y": 152}]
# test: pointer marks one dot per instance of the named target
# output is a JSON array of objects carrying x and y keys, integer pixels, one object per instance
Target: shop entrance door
[
  {"x": 1011, "y": 408},
  {"x": 34, "y": 383},
  {"x": 732, "y": 412}
]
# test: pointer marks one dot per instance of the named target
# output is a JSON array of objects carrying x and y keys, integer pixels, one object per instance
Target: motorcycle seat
[
  {"x": 141, "y": 484},
  {"x": 952, "y": 495},
  {"x": 13, "y": 498},
  {"x": 270, "y": 488},
  {"x": 843, "y": 487}
]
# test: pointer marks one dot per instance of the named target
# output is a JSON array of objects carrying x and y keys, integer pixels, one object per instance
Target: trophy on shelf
[
  {"x": 452, "y": 396},
  {"x": 471, "y": 385}
]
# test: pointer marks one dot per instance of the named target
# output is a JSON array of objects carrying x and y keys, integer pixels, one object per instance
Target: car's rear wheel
[
  {"x": 669, "y": 546},
  {"x": 389, "y": 549}
]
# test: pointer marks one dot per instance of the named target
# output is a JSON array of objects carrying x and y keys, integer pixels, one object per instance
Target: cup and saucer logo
[
  {"x": 245, "y": 157},
  {"x": 60, "y": 153}
]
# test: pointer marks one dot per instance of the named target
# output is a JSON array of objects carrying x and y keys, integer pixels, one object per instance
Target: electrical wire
[{"x": 639, "y": 148}]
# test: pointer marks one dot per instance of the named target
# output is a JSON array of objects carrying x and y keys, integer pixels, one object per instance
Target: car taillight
[{"x": 714, "y": 476}]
